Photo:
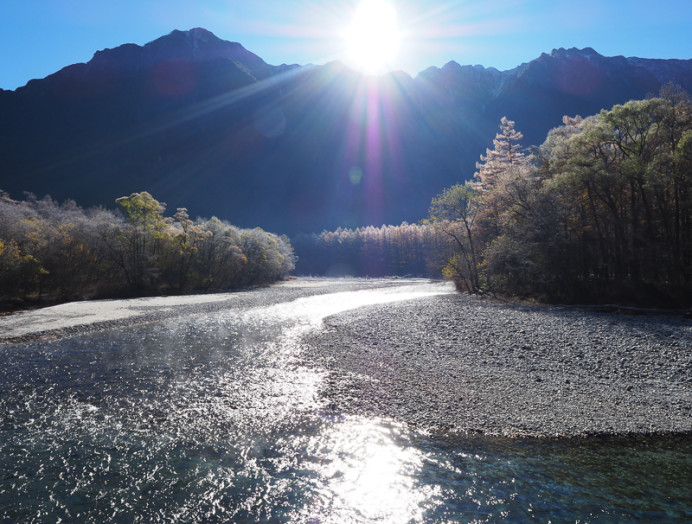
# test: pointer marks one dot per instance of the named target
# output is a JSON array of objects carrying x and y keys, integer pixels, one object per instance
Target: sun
[{"x": 373, "y": 38}]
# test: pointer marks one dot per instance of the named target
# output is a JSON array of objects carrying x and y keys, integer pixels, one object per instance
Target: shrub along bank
[{"x": 51, "y": 252}]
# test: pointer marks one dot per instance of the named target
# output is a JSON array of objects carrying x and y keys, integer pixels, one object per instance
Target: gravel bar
[
  {"x": 475, "y": 366},
  {"x": 454, "y": 362},
  {"x": 78, "y": 318}
]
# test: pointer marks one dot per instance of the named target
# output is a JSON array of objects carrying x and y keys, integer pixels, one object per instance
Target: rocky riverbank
[
  {"x": 470, "y": 365},
  {"x": 452, "y": 362},
  {"x": 77, "y": 318}
]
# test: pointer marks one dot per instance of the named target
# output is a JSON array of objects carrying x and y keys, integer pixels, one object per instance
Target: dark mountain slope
[{"x": 206, "y": 124}]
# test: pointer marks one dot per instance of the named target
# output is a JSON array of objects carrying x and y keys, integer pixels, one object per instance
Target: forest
[
  {"x": 403, "y": 250},
  {"x": 600, "y": 212},
  {"x": 51, "y": 252}
]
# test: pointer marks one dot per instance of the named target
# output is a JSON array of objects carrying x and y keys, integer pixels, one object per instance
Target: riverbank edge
[
  {"x": 513, "y": 370},
  {"x": 395, "y": 323},
  {"x": 141, "y": 310}
]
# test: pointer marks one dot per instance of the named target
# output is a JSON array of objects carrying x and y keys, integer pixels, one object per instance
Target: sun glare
[{"x": 373, "y": 38}]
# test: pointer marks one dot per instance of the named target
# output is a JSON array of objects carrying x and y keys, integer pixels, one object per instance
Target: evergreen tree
[{"x": 507, "y": 153}]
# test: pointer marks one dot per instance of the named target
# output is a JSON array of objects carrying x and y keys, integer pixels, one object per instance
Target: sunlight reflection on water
[
  {"x": 312, "y": 310},
  {"x": 215, "y": 418},
  {"x": 368, "y": 473}
]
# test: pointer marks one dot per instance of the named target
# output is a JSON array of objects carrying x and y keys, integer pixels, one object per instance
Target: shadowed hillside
[{"x": 207, "y": 124}]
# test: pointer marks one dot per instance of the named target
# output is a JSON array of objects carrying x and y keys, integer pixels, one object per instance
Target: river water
[{"x": 212, "y": 417}]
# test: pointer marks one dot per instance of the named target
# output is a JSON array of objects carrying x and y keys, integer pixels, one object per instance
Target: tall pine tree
[{"x": 506, "y": 154}]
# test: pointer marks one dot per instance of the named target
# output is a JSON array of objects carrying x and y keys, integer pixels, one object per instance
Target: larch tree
[{"x": 506, "y": 154}]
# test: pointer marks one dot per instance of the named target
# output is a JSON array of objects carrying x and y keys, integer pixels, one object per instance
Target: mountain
[{"x": 206, "y": 124}]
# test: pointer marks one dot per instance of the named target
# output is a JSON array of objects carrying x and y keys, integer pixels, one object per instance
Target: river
[{"x": 214, "y": 417}]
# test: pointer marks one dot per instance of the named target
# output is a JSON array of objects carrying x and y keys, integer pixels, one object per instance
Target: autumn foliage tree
[
  {"x": 52, "y": 252},
  {"x": 601, "y": 211},
  {"x": 507, "y": 153},
  {"x": 141, "y": 240},
  {"x": 453, "y": 213},
  {"x": 626, "y": 185},
  {"x": 405, "y": 249}
]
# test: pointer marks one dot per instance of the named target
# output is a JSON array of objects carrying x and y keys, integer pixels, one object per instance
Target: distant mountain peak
[
  {"x": 451, "y": 65},
  {"x": 196, "y": 45},
  {"x": 195, "y": 38},
  {"x": 200, "y": 121},
  {"x": 199, "y": 33},
  {"x": 199, "y": 44},
  {"x": 573, "y": 52}
]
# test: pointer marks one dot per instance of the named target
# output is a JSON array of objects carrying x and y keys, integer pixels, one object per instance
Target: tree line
[
  {"x": 51, "y": 252},
  {"x": 406, "y": 249},
  {"x": 601, "y": 211}
]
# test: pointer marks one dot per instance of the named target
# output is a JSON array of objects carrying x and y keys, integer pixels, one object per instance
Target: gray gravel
[
  {"x": 471, "y": 365},
  {"x": 466, "y": 364},
  {"x": 78, "y": 318}
]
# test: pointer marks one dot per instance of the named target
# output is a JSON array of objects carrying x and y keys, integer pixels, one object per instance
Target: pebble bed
[
  {"x": 70, "y": 319},
  {"x": 472, "y": 365},
  {"x": 476, "y": 366}
]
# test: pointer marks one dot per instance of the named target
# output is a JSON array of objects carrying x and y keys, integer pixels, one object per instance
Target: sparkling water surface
[{"x": 215, "y": 417}]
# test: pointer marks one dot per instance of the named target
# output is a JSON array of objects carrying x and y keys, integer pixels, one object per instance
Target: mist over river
[{"x": 338, "y": 401}]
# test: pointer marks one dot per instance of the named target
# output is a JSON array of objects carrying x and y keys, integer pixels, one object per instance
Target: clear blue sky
[{"x": 38, "y": 37}]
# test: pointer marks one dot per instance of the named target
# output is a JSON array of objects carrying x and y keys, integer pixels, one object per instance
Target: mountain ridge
[{"x": 206, "y": 123}]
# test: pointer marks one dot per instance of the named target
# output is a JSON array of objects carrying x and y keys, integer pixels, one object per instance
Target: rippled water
[{"x": 213, "y": 418}]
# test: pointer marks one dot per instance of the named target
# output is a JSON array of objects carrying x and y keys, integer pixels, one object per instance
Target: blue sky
[{"x": 38, "y": 37}]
